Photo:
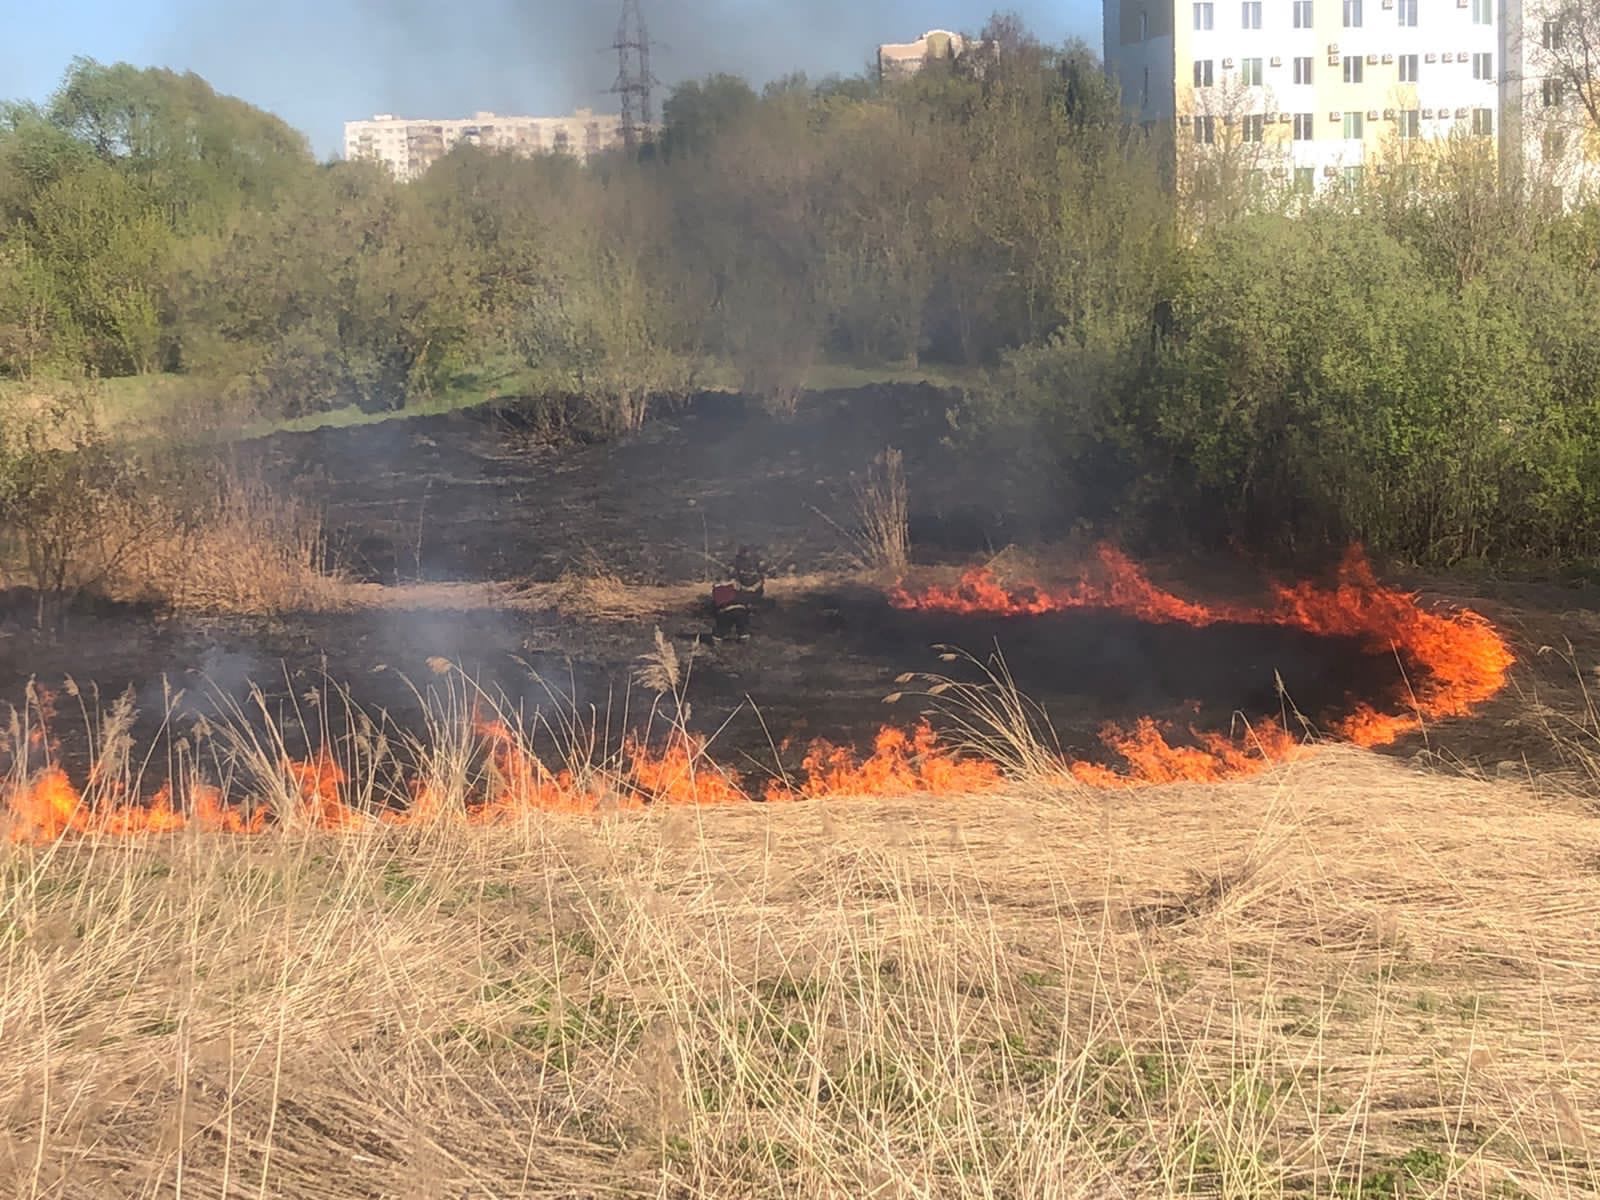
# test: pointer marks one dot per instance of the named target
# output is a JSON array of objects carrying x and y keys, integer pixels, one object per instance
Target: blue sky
[{"x": 318, "y": 63}]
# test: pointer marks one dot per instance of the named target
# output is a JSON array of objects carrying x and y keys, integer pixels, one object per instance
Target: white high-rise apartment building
[
  {"x": 1317, "y": 91},
  {"x": 410, "y": 147},
  {"x": 1547, "y": 131}
]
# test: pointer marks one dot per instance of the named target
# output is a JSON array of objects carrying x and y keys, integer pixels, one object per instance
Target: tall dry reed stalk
[{"x": 883, "y": 514}]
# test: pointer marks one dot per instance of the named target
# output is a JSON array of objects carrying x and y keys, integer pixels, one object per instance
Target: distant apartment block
[
  {"x": 899, "y": 60},
  {"x": 1313, "y": 92},
  {"x": 1546, "y": 129},
  {"x": 410, "y": 147}
]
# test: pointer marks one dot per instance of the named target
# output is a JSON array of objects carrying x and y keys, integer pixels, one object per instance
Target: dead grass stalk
[{"x": 883, "y": 533}]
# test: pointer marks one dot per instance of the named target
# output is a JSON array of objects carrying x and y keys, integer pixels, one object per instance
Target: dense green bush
[{"x": 1318, "y": 383}]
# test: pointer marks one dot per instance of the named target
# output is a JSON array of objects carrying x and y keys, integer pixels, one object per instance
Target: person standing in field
[{"x": 736, "y": 593}]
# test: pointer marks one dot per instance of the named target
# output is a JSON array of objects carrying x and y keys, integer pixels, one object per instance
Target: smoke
[{"x": 319, "y": 63}]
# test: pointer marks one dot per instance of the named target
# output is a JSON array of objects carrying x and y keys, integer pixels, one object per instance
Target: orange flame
[
  {"x": 318, "y": 784},
  {"x": 49, "y": 806},
  {"x": 682, "y": 773},
  {"x": 46, "y": 808},
  {"x": 901, "y": 763},
  {"x": 1457, "y": 661},
  {"x": 1152, "y": 759}
]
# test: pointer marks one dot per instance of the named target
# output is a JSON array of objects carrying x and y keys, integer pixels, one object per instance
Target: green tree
[
  {"x": 699, "y": 111},
  {"x": 350, "y": 293},
  {"x": 34, "y": 327},
  {"x": 199, "y": 156},
  {"x": 107, "y": 248}
]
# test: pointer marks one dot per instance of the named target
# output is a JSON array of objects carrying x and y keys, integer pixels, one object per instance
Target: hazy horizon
[{"x": 320, "y": 64}]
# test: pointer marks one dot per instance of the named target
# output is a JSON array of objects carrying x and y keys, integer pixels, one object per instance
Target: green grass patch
[{"x": 146, "y": 401}]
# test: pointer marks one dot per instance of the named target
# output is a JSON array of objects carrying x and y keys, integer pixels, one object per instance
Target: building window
[
  {"x": 1352, "y": 68},
  {"x": 1144, "y": 25},
  {"x": 1483, "y": 66},
  {"x": 1302, "y": 70},
  {"x": 1483, "y": 12},
  {"x": 1483, "y": 122},
  {"x": 1353, "y": 177},
  {"x": 1204, "y": 72},
  {"x": 1406, "y": 12},
  {"x": 1250, "y": 14},
  {"x": 1304, "y": 127},
  {"x": 1555, "y": 143},
  {"x": 1550, "y": 36},
  {"x": 1352, "y": 125},
  {"x": 1352, "y": 14},
  {"x": 1205, "y": 130},
  {"x": 1408, "y": 68},
  {"x": 1305, "y": 180},
  {"x": 1255, "y": 127},
  {"x": 1302, "y": 14},
  {"x": 1250, "y": 72},
  {"x": 1409, "y": 123},
  {"x": 1204, "y": 14},
  {"x": 1551, "y": 91}
]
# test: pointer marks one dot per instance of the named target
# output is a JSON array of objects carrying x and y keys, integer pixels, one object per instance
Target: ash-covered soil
[
  {"x": 450, "y": 519},
  {"x": 476, "y": 495}
]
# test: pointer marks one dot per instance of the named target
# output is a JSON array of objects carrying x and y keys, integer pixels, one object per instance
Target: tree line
[{"x": 1416, "y": 366}]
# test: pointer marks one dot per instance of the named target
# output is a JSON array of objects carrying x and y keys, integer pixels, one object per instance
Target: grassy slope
[
  {"x": 1344, "y": 975},
  {"x": 146, "y": 399}
]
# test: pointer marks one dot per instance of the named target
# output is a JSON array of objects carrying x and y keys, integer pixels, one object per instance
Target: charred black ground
[
  {"x": 477, "y": 496},
  {"x": 484, "y": 494}
]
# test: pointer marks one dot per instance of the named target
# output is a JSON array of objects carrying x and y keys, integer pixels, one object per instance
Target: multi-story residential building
[
  {"x": 896, "y": 60},
  {"x": 1547, "y": 132},
  {"x": 1316, "y": 91},
  {"x": 409, "y": 147}
]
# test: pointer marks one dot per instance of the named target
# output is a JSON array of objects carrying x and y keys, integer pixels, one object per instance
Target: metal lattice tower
[{"x": 634, "y": 80}]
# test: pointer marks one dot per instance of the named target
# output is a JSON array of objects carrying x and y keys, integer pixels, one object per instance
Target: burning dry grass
[
  {"x": 1337, "y": 976},
  {"x": 1342, "y": 975}
]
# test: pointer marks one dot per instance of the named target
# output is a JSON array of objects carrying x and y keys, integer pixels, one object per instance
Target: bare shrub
[
  {"x": 69, "y": 494},
  {"x": 778, "y": 379},
  {"x": 83, "y": 512},
  {"x": 883, "y": 533},
  {"x": 237, "y": 545},
  {"x": 775, "y": 357}
]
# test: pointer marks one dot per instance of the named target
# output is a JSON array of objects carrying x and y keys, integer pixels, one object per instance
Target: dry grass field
[{"x": 1346, "y": 977}]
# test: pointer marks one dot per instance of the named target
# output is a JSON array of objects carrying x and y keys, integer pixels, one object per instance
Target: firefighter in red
[{"x": 736, "y": 593}]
